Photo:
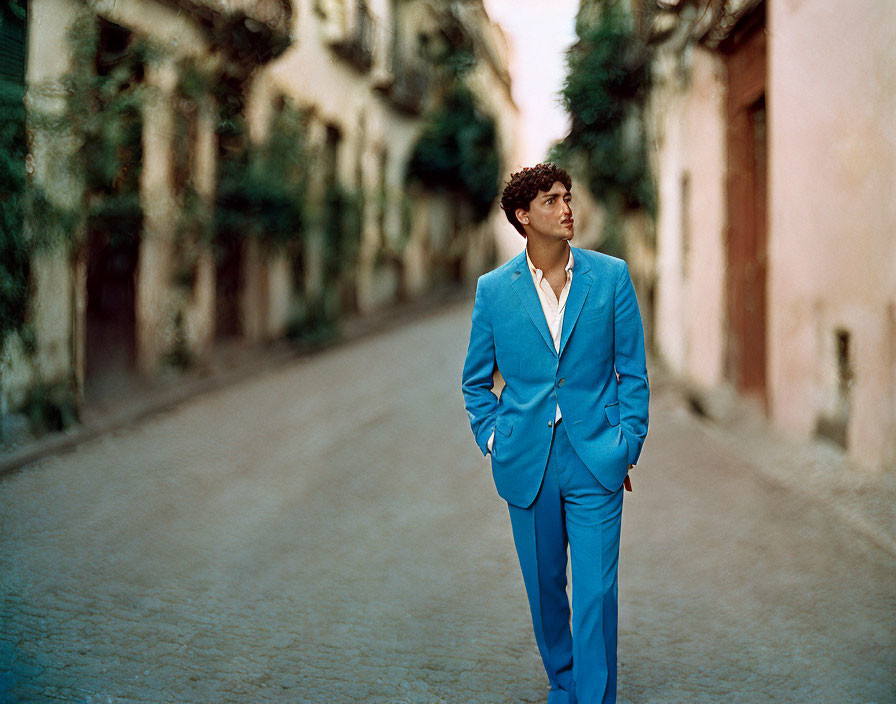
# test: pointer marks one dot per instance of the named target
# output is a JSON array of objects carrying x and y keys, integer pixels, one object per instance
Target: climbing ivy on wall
[
  {"x": 606, "y": 85},
  {"x": 29, "y": 219},
  {"x": 104, "y": 113},
  {"x": 458, "y": 151},
  {"x": 15, "y": 249},
  {"x": 261, "y": 189},
  {"x": 100, "y": 117}
]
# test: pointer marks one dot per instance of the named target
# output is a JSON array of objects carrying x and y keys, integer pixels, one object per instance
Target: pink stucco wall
[
  {"x": 688, "y": 129},
  {"x": 832, "y": 215},
  {"x": 831, "y": 97}
]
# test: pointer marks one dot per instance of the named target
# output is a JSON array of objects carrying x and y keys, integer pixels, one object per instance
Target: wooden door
[{"x": 747, "y": 257}]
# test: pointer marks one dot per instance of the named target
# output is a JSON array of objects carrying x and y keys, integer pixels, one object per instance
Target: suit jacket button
[
  {"x": 550, "y": 424},
  {"x": 560, "y": 383}
]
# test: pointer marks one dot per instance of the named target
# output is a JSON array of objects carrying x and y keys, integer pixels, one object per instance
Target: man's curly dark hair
[{"x": 525, "y": 184}]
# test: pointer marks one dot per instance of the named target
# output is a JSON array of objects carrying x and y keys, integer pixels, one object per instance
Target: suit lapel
[
  {"x": 522, "y": 283},
  {"x": 578, "y": 292}
]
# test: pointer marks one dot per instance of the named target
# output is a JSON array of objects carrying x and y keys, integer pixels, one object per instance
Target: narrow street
[{"x": 327, "y": 532}]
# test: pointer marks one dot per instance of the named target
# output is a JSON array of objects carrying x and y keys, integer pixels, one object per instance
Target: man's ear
[{"x": 522, "y": 216}]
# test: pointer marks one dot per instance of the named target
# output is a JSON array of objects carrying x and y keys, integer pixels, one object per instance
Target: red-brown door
[{"x": 747, "y": 200}]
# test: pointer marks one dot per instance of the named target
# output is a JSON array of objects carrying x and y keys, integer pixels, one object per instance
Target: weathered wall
[
  {"x": 687, "y": 124},
  {"x": 832, "y": 215},
  {"x": 175, "y": 283},
  {"x": 831, "y": 97}
]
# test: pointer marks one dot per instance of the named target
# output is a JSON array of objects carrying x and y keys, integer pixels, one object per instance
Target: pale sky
[{"x": 539, "y": 33}]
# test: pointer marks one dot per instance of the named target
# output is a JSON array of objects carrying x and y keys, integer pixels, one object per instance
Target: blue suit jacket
[{"x": 599, "y": 377}]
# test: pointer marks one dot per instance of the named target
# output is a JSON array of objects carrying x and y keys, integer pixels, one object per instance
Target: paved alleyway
[{"x": 328, "y": 533}]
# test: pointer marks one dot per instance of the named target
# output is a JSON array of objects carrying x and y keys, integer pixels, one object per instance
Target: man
[{"x": 562, "y": 326}]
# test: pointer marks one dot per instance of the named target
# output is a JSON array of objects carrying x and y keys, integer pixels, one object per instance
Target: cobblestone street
[{"x": 327, "y": 532}]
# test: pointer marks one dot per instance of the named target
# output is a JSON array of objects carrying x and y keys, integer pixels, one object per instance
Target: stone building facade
[
  {"x": 774, "y": 153},
  {"x": 236, "y": 96}
]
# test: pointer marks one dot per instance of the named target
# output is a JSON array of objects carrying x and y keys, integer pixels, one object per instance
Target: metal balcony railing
[{"x": 411, "y": 82}]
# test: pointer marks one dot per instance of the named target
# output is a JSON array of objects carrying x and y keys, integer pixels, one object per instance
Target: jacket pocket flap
[
  {"x": 503, "y": 427},
  {"x": 612, "y": 411}
]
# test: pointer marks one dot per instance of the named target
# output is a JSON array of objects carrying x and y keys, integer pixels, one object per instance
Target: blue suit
[{"x": 563, "y": 482}]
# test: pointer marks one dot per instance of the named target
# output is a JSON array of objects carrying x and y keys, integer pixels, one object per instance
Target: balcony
[
  {"x": 403, "y": 78},
  {"x": 354, "y": 40},
  {"x": 251, "y": 31},
  {"x": 272, "y": 13},
  {"x": 411, "y": 80},
  {"x": 351, "y": 31}
]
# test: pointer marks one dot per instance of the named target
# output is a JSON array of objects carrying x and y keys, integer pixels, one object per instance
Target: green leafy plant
[
  {"x": 15, "y": 247},
  {"x": 50, "y": 407},
  {"x": 315, "y": 320},
  {"x": 342, "y": 230},
  {"x": 103, "y": 114},
  {"x": 606, "y": 85},
  {"x": 261, "y": 188},
  {"x": 458, "y": 151}
]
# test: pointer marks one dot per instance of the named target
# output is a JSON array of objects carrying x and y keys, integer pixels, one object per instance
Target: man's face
[{"x": 549, "y": 215}]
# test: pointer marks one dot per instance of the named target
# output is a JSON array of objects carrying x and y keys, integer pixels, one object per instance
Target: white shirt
[{"x": 552, "y": 307}]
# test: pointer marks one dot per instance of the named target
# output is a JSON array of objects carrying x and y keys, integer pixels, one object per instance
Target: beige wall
[
  {"x": 832, "y": 214},
  {"x": 53, "y": 283},
  {"x": 376, "y": 143},
  {"x": 341, "y": 95},
  {"x": 58, "y": 303}
]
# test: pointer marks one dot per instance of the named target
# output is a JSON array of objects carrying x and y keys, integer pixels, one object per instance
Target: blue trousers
[{"x": 572, "y": 508}]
